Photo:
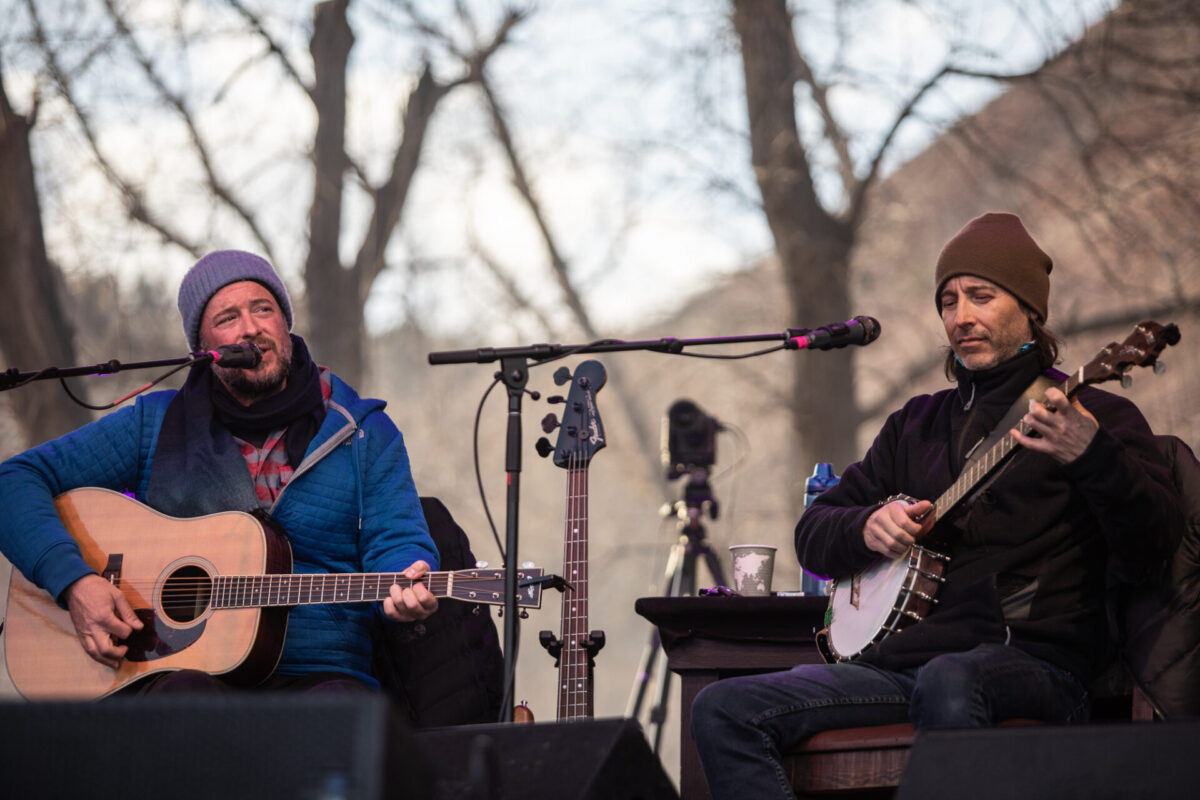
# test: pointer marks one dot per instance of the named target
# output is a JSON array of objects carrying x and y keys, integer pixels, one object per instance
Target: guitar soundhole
[{"x": 186, "y": 594}]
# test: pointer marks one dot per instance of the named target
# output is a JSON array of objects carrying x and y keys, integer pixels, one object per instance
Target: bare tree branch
[
  {"x": 217, "y": 186},
  {"x": 390, "y": 197},
  {"x": 272, "y": 46},
  {"x": 558, "y": 264},
  {"x": 507, "y": 284},
  {"x": 833, "y": 131},
  {"x": 855, "y": 212},
  {"x": 132, "y": 197}
]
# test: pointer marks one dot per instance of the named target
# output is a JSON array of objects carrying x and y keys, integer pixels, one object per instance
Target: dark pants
[{"x": 742, "y": 725}]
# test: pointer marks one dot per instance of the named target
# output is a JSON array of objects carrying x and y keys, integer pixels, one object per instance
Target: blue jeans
[{"x": 741, "y": 725}]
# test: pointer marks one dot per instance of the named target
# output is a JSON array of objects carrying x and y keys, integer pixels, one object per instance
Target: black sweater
[{"x": 1032, "y": 553}]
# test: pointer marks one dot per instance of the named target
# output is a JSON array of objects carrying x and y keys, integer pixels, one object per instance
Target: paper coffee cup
[{"x": 753, "y": 565}]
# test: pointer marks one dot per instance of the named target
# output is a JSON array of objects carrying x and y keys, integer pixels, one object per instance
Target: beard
[{"x": 250, "y": 386}]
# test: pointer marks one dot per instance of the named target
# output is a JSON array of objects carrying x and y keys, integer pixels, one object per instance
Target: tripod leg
[
  {"x": 650, "y": 653},
  {"x": 685, "y": 583},
  {"x": 713, "y": 563},
  {"x": 641, "y": 682}
]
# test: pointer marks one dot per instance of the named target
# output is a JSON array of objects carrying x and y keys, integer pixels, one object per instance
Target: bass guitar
[
  {"x": 893, "y": 594},
  {"x": 212, "y": 592},
  {"x": 581, "y": 435}
]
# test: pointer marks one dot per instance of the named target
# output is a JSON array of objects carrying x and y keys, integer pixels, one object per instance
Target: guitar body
[
  {"x": 212, "y": 592},
  {"x": 143, "y": 551}
]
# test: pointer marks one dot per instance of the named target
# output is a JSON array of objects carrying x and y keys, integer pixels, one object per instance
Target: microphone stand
[
  {"x": 514, "y": 372},
  {"x": 13, "y": 378}
]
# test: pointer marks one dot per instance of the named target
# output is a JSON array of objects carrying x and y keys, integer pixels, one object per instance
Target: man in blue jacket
[{"x": 285, "y": 436}]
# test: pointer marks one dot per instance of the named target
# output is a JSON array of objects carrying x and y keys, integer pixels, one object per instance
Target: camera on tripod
[
  {"x": 689, "y": 440},
  {"x": 689, "y": 447}
]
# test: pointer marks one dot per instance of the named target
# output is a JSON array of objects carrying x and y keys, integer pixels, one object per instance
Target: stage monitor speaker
[
  {"x": 1100, "y": 761},
  {"x": 586, "y": 760},
  {"x": 294, "y": 746}
]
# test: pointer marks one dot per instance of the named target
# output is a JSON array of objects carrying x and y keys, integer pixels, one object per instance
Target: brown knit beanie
[{"x": 997, "y": 247}]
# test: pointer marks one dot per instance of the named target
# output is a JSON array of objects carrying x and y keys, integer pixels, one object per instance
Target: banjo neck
[{"x": 980, "y": 468}]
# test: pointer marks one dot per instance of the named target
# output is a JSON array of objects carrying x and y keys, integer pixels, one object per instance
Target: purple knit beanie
[{"x": 217, "y": 270}]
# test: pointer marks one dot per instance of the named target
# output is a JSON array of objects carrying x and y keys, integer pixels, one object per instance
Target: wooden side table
[{"x": 709, "y": 638}]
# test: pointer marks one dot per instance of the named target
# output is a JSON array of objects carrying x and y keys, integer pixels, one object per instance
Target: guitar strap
[{"x": 1035, "y": 391}]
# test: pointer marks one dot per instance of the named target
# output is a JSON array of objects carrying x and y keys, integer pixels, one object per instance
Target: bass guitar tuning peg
[
  {"x": 562, "y": 375},
  {"x": 549, "y": 423},
  {"x": 543, "y": 447},
  {"x": 555, "y": 399}
]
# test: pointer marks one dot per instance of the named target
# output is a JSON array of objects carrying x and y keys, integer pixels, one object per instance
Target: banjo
[{"x": 892, "y": 594}]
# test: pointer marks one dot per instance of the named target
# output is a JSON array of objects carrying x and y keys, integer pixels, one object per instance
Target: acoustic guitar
[
  {"x": 893, "y": 594},
  {"x": 213, "y": 593}
]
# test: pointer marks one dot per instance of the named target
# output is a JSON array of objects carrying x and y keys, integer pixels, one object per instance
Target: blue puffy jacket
[{"x": 351, "y": 506}]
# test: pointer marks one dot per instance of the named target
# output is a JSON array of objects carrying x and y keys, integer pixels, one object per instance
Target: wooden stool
[{"x": 855, "y": 759}]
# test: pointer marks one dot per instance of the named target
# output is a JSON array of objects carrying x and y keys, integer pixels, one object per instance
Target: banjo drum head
[{"x": 855, "y": 626}]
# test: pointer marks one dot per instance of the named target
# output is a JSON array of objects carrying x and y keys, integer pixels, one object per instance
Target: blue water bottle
[{"x": 821, "y": 479}]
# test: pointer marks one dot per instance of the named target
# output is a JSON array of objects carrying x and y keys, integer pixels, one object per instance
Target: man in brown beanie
[
  {"x": 284, "y": 438},
  {"x": 1019, "y": 627}
]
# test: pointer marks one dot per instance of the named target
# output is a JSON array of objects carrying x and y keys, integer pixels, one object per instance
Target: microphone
[
  {"x": 235, "y": 356},
  {"x": 860, "y": 331}
]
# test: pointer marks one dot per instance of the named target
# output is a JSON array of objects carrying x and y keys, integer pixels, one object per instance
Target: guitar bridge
[{"x": 112, "y": 569}]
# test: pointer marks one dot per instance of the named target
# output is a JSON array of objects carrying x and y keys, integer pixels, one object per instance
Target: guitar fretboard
[
  {"x": 257, "y": 591},
  {"x": 983, "y": 466},
  {"x": 574, "y": 670}
]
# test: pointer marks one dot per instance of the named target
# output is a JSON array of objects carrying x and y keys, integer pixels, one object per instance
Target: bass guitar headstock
[{"x": 581, "y": 431}]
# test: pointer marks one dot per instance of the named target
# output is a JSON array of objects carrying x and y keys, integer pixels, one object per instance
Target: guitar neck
[
  {"x": 980, "y": 468},
  {"x": 574, "y": 667},
  {"x": 260, "y": 591}
]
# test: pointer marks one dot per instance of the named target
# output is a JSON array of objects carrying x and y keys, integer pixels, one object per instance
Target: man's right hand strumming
[
  {"x": 102, "y": 617},
  {"x": 896, "y": 526}
]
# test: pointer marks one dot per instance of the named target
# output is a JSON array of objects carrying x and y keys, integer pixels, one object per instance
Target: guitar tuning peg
[
  {"x": 543, "y": 447},
  {"x": 1126, "y": 381},
  {"x": 524, "y": 614},
  {"x": 556, "y": 398},
  {"x": 549, "y": 423},
  {"x": 481, "y": 565},
  {"x": 1159, "y": 368},
  {"x": 562, "y": 375}
]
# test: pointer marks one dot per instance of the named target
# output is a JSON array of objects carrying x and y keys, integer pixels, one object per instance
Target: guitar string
[
  {"x": 984, "y": 465},
  {"x": 183, "y": 592},
  {"x": 573, "y": 659}
]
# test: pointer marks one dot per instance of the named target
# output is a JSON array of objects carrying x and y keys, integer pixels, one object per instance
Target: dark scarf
[{"x": 198, "y": 468}]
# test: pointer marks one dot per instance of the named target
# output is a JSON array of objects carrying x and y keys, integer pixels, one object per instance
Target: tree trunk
[
  {"x": 335, "y": 313},
  {"x": 34, "y": 330},
  {"x": 813, "y": 247}
]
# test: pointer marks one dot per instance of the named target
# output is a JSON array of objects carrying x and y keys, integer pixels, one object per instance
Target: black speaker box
[
  {"x": 1102, "y": 761},
  {"x": 294, "y": 746},
  {"x": 587, "y": 759}
]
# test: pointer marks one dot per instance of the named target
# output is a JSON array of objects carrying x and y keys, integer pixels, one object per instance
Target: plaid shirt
[{"x": 268, "y": 464}]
